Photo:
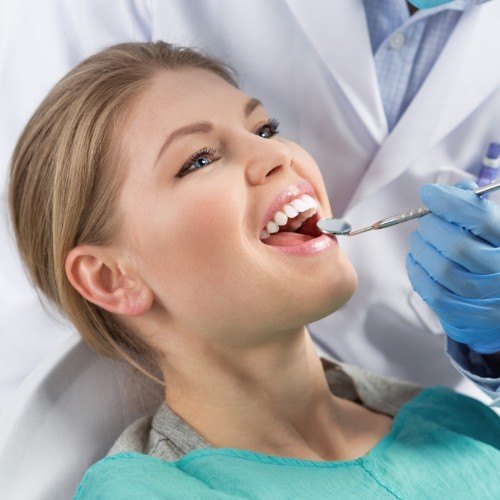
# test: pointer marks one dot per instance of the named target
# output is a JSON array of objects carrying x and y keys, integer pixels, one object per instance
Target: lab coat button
[{"x": 397, "y": 41}]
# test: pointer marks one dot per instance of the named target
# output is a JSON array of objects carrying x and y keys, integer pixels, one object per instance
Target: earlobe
[{"x": 98, "y": 279}]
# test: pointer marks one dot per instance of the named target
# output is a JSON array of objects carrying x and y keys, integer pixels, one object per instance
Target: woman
[{"x": 146, "y": 194}]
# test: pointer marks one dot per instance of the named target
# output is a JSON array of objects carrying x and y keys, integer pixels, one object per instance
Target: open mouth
[{"x": 288, "y": 237}]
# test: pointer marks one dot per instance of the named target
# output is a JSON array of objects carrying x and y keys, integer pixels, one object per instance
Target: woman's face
[{"x": 195, "y": 237}]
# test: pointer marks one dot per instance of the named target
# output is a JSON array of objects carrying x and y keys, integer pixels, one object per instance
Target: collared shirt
[{"x": 405, "y": 47}]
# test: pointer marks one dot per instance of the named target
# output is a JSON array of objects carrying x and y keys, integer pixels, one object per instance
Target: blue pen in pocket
[{"x": 490, "y": 166}]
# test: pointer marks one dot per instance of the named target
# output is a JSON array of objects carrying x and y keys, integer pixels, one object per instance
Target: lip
[
  {"x": 315, "y": 245},
  {"x": 288, "y": 194}
]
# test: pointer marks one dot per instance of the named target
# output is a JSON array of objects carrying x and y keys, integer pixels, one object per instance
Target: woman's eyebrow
[
  {"x": 201, "y": 127},
  {"x": 251, "y": 105},
  {"x": 192, "y": 128}
]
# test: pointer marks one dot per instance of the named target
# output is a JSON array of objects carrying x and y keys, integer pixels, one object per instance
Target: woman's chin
[{"x": 340, "y": 293}]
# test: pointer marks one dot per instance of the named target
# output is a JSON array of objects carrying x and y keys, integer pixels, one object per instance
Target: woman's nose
[{"x": 266, "y": 157}]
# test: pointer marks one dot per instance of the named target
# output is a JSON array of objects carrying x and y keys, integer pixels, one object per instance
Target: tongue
[{"x": 286, "y": 239}]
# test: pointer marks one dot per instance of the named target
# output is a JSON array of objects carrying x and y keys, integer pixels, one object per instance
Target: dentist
[{"x": 387, "y": 95}]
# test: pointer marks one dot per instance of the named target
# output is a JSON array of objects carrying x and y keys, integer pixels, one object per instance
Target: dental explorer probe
[{"x": 342, "y": 227}]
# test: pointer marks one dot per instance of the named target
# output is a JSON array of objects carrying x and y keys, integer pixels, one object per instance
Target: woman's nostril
[{"x": 272, "y": 170}]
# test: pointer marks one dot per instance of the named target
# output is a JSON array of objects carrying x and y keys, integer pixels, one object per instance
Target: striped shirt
[{"x": 405, "y": 47}]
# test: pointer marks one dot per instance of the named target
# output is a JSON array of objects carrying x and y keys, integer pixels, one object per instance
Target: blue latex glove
[{"x": 454, "y": 263}]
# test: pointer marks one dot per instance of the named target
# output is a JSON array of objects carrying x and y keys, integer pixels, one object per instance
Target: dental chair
[{"x": 66, "y": 416}]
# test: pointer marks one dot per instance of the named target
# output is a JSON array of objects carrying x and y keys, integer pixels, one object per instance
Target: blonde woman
[{"x": 143, "y": 193}]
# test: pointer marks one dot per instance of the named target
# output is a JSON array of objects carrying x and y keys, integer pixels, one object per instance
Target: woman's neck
[{"x": 274, "y": 400}]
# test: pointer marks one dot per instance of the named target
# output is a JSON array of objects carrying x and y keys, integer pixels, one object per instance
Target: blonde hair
[{"x": 63, "y": 180}]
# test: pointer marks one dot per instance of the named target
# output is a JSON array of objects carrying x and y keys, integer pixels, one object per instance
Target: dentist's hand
[{"x": 454, "y": 263}]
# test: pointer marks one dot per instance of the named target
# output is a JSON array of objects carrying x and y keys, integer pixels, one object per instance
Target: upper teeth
[{"x": 304, "y": 203}]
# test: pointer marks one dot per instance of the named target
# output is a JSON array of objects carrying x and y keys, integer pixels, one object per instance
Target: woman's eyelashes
[
  {"x": 206, "y": 156},
  {"x": 269, "y": 128},
  {"x": 203, "y": 157}
]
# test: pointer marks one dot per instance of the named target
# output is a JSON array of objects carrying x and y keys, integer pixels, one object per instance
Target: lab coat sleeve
[{"x": 472, "y": 364}]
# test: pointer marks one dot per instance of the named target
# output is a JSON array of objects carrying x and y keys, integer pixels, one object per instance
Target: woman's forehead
[{"x": 191, "y": 90}]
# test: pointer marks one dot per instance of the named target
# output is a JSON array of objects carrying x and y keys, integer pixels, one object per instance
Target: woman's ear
[{"x": 97, "y": 277}]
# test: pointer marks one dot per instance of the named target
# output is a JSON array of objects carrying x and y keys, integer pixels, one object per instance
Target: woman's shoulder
[
  {"x": 164, "y": 435},
  {"x": 456, "y": 412},
  {"x": 124, "y": 475},
  {"x": 408, "y": 402},
  {"x": 134, "y": 438}
]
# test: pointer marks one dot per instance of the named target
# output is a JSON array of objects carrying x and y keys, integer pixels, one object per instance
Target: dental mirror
[{"x": 334, "y": 226}]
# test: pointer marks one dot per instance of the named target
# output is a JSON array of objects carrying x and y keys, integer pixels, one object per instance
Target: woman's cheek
[{"x": 205, "y": 239}]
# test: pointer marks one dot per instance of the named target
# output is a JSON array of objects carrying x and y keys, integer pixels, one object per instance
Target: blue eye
[
  {"x": 206, "y": 156},
  {"x": 269, "y": 128},
  {"x": 200, "y": 159}
]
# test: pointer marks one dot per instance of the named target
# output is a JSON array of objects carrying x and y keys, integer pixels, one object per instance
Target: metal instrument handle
[
  {"x": 420, "y": 211},
  {"x": 405, "y": 216}
]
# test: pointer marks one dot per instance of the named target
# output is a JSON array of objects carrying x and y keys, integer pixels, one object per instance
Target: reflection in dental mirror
[{"x": 334, "y": 226}]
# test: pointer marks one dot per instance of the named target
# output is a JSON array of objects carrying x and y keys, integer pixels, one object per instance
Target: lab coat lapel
[
  {"x": 339, "y": 33},
  {"x": 465, "y": 74}
]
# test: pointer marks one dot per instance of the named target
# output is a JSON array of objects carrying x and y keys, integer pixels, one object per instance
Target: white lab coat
[{"x": 311, "y": 64}]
